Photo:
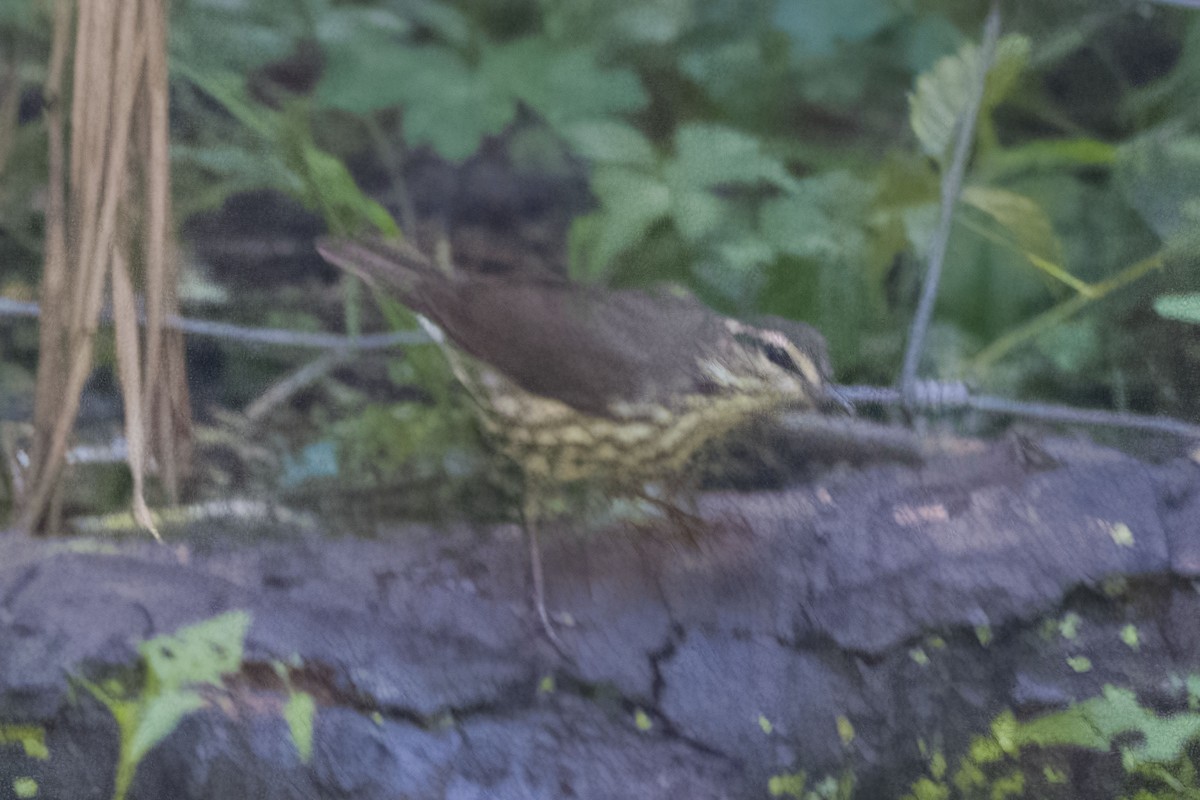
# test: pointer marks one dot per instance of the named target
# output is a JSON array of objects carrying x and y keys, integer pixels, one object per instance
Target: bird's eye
[{"x": 779, "y": 357}]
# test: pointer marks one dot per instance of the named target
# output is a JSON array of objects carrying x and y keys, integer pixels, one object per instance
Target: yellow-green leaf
[
  {"x": 158, "y": 717},
  {"x": 199, "y": 653},
  {"x": 300, "y": 713},
  {"x": 1027, "y": 227}
]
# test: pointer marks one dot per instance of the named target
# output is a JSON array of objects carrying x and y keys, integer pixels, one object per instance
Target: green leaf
[
  {"x": 365, "y": 58},
  {"x": 734, "y": 269},
  {"x": 709, "y": 156},
  {"x": 1181, "y": 307},
  {"x": 738, "y": 75},
  {"x": 817, "y": 27},
  {"x": 562, "y": 86},
  {"x": 1025, "y": 222},
  {"x": 823, "y": 218},
  {"x": 159, "y": 716},
  {"x": 610, "y": 142},
  {"x": 1009, "y": 63},
  {"x": 199, "y": 653},
  {"x": 241, "y": 166},
  {"x": 32, "y": 739},
  {"x": 697, "y": 213},
  {"x": 300, "y": 713},
  {"x": 940, "y": 97},
  {"x": 788, "y": 785},
  {"x": 652, "y": 24},
  {"x": 443, "y": 19},
  {"x": 327, "y": 185},
  {"x": 347, "y": 26},
  {"x": 799, "y": 226},
  {"x": 215, "y": 35},
  {"x": 446, "y": 105},
  {"x": 1046, "y": 155},
  {"x": 1095, "y": 724},
  {"x": 1073, "y": 346},
  {"x": 1159, "y": 175},
  {"x": 632, "y": 202}
]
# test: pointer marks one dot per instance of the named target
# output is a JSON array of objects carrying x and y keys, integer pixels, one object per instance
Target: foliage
[
  {"x": 32, "y": 739},
  {"x": 779, "y": 157},
  {"x": 1028, "y": 758},
  {"x": 177, "y": 668},
  {"x": 795, "y": 785},
  {"x": 181, "y": 673},
  {"x": 698, "y": 119}
]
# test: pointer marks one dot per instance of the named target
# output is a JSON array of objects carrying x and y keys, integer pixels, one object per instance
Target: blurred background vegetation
[{"x": 775, "y": 156}]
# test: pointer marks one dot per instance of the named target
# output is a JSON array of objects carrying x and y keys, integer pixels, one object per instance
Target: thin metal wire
[
  {"x": 951, "y": 187},
  {"x": 280, "y": 337},
  {"x": 940, "y": 396}
]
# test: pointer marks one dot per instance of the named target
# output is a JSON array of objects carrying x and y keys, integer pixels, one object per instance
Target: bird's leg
[{"x": 530, "y": 511}]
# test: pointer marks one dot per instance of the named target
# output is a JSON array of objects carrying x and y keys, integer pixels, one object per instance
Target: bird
[{"x": 582, "y": 383}]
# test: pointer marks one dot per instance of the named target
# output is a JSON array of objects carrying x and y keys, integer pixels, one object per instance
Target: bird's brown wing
[{"x": 584, "y": 346}]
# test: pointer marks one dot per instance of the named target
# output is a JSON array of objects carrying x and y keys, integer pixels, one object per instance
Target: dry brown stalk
[{"x": 98, "y": 215}]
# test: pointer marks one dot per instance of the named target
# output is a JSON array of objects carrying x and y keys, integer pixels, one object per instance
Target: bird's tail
[{"x": 394, "y": 267}]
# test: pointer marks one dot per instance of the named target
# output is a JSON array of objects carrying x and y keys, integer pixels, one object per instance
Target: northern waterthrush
[{"x": 577, "y": 382}]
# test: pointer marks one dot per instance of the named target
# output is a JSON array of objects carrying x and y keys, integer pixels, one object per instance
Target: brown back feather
[{"x": 581, "y": 345}]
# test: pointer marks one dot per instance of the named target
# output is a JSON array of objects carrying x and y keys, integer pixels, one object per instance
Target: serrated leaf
[
  {"x": 632, "y": 202},
  {"x": 610, "y": 142},
  {"x": 823, "y": 218},
  {"x": 199, "y": 653},
  {"x": 364, "y": 52},
  {"x": 798, "y": 226},
  {"x": 159, "y": 716},
  {"x": 446, "y": 105},
  {"x": 940, "y": 98},
  {"x": 697, "y": 213},
  {"x": 1181, "y": 307},
  {"x": 708, "y": 156},
  {"x": 562, "y": 86},
  {"x": 1027, "y": 224}
]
